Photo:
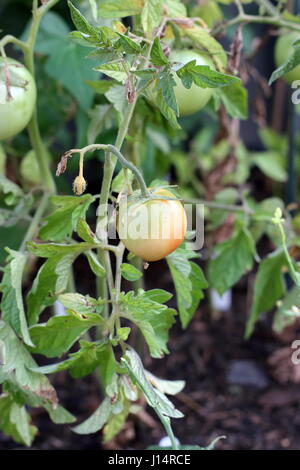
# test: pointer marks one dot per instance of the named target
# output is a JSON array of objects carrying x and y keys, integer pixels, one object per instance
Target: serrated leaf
[
  {"x": 81, "y": 363},
  {"x": 268, "y": 288},
  {"x": 128, "y": 45},
  {"x": 15, "y": 421},
  {"x": 153, "y": 319},
  {"x": 130, "y": 272},
  {"x": 157, "y": 55},
  {"x": 166, "y": 84},
  {"x": 203, "y": 40},
  {"x": 237, "y": 255},
  {"x": 189, "y": 281},
  {"x": 59, "y": 333},
  {"x": 204, "y": 76},
  {"x": 114, "y": 70},
  {"x": 50, "y": 281},
  {"x": 34, "y": 387},
  {"x": 63, "y": 220},
  {"x": 151, "y": 15},
  {"x": 12, "y": 306},
  {"x": 154, "y": 397},
  {"x": 235, "y": 100},
  {"x": 170, "y": 387}
]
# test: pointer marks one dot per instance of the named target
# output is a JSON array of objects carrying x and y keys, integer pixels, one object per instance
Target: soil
[{"x": 234, "y": 387}]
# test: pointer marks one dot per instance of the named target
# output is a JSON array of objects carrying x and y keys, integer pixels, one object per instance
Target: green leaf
[
  {"x": 170, "y": 387},
  {"x": 123, "y": 333},
  {"x": 119, "y": 8},
  {"x": 116, "y": 420},
  {"x": 34, "y": 386},
  {"x": 95, "y": 265},
  {"x": 116, "y": 96},
  {"x": 96, "y": 421},
  {"x": 157, "y": 55},
  {"x": 204, "y": 76},
  {"x": 166, "y": 111},
  {"x": 235, "y": 100},
  {"x": 288, "y": 310},
  {"x": 175, "y": 8},
  {"x": 154, "y": 397},
  {"x": 289, "y": 65},
  {"x": 12, "y": 302},
  {"x": 113, "y": 70},
  {"x": 15, "y": 421},
  {"x": 159, "y": 295},
  {"x": 189, "y": 281},
  {"x": 61, "y": 223},
  {"x": 268, "y": 288},
  {"x": 151, "y": 15},
  {"x": 81, "y": 304},
  {"x": 100, "y": 86},
  {"x": 64, "y": 55},
  {"x": 128, "y": 45},
  {"x": 59, "y": 333},
  {"x": 81, "y": 363},
  {"x": 153, "y": 319},
  {"x": 130, "y": 273},
  {"x": 50, "y": 281},
  {"x": 47, "y": 250},
  {"x": 233, "y": 258},
  {"x": 204, "y": 41},
  {"x": 84, "y": 231},
  {"x": 272, "y": 164},
  {"x": 59, "y": 415},
  {"x": 166, "y": 84},
  {"x": 80, "y": 21}
]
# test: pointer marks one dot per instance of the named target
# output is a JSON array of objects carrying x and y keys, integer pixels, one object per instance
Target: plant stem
[
  {"x": 167, "y": 425},
  {"x": 33, "y": 128},
  {"x": 35, "y": 221},
  {"x": 219, "y": 206}
]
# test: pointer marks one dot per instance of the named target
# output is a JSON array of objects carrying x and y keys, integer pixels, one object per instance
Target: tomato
[
  {"x": 16, "y": 112},
  {"x": 283, "y": 50},
  {"x": 195, "y": 98},
  {"x": 154, "y": 228}
]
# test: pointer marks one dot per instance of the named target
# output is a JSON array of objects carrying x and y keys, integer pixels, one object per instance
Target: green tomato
[
  {"x": 283, "y": 50},
  {"x": 154, "y": 228},
  {"x": 195, "y": 98},
  {"x": 15, "y": 112}
]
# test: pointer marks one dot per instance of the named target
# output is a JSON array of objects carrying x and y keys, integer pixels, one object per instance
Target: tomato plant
[
  {"x": 17, "y": 97},
  {"x": 122, "y": 79},
  {"x": 154, "y": 228},
  {"x": 190, "y": 100}
]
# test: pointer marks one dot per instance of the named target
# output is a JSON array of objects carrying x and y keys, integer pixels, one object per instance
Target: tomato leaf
[
  {"x": 130, "y": 272},
  {"x": 63, "y": 220},
  {"x": 15, "y": 421},
  {"x": 204, "y": 76},
  {"x": 289, "y": 65},
  {"x": 153, "y": 318},
  {"x": 268, "y": 288},
  {"x": 151, "y": 15},
  {"x": 236, "y": 254},
  {"x": 235, "y": 100},
  {"x": 12, "y": 306},
  {"x": 189, "y": 281},
  {"x": 157, "y": 55}
]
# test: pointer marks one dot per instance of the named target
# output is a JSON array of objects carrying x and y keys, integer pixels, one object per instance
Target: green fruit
[
  {"x": 195, "y": 98},
  {"x": 284, "y": 50},
  {"x": 15, "y": 113}
]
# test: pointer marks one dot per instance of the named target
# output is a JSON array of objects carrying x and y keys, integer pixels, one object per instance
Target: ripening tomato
[
  {"x": 283, "y": 50},
  {"x": 15, "y": 111},
  {"x": 190, "y": 100},
  {"x": 154, "y": 228}
]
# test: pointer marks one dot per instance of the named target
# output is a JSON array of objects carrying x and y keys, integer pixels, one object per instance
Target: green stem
[
  {"x": 33, "y": 128},
  {"x": 244, "y": 18},
  {"x": 167, "y": 425},
  {"x": 35, "y": 221},
  {"x": 220, "y": 206}
]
